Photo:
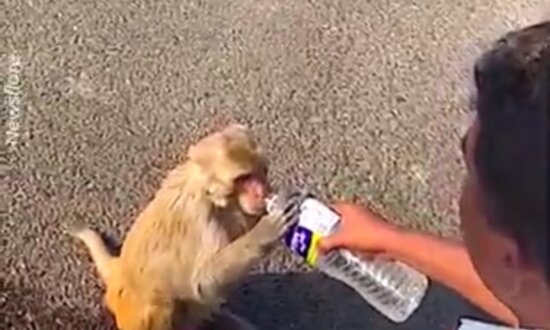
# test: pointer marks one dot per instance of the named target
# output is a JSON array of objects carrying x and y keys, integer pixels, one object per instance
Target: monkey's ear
[{"x": 218, "y": 194}]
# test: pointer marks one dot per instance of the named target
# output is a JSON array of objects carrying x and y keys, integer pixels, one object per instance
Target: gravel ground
[{"x": 356, "y": 99}]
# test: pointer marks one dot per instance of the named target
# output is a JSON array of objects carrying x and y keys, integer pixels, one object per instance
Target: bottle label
[{"x": 315, "y": 221}]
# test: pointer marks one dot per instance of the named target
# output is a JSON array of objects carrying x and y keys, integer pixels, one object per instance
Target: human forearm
[{"x": 446, "y": 262}]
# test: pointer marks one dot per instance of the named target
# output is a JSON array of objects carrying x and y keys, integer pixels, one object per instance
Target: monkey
[{"x": 198, "y": 236}]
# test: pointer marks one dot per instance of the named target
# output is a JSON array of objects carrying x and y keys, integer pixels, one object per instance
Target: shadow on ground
[{"x": 305, "y": 301}]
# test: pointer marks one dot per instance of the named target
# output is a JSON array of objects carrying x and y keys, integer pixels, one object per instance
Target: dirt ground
[{"x": 357, "y": 99}]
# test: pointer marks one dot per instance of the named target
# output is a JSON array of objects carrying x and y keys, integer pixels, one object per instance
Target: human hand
[{"x": 360, "y": 229}]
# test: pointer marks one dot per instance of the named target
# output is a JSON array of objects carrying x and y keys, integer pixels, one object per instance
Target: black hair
[{"x": 512, "y": 103}]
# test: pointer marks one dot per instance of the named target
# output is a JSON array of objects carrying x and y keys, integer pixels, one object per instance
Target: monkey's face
[
  {"x": 251, "y": 191},
  {"x": 234, "y": 168}
]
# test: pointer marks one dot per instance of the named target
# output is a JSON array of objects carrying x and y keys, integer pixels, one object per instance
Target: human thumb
[{"x": 330, "y": 242}]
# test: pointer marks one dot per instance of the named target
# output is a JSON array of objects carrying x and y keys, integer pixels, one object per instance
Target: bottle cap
[{"x": 284, "y": 197}]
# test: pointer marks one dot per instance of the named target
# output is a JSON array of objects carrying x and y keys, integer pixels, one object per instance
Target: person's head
[{"x": 504, "y": 214}]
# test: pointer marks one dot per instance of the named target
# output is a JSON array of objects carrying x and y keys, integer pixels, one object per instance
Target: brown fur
[{"x": 191, "y": 243}]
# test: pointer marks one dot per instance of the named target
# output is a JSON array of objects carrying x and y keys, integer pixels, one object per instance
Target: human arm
[{"x": 442, "y": 260}]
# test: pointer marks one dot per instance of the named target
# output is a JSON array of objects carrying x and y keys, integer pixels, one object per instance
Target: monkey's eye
[{"x": 244, "y": 178}]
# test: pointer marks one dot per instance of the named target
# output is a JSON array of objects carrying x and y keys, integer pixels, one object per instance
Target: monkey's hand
[{"x": 274, "y": 225}]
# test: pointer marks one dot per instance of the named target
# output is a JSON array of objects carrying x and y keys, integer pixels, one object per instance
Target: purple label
[{"x": 298, "y": 239}]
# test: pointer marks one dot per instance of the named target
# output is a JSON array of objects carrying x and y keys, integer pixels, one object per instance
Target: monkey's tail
[{"x": 101, "y": 256}]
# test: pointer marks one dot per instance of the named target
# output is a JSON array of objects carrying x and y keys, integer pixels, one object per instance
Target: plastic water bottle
[{"x": 391, "y": 287}]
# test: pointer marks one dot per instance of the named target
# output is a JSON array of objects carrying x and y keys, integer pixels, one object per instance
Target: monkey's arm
[{"x": 216, "y": 275}]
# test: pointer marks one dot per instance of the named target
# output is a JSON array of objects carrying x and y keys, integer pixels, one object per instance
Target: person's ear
[{"x": 509, "y": 274}]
